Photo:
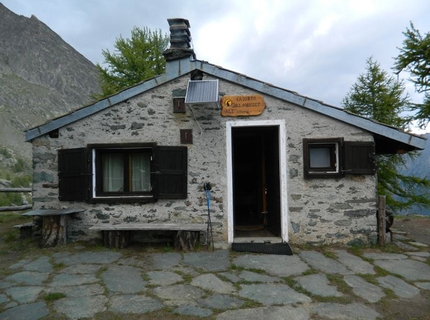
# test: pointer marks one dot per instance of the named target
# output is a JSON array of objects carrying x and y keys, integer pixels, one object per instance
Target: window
[
  {"x": 123, "y": 173},
  {"x": 321, "y": 157},
  {"x": 332, "y": 158}
]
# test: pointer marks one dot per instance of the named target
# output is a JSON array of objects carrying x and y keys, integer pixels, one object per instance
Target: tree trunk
[
  {"x": 52, "y": 231},
  {"x": 186, "y": 240}
]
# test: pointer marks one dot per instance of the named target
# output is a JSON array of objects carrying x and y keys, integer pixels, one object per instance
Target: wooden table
[{"x": 54, "y": 224}]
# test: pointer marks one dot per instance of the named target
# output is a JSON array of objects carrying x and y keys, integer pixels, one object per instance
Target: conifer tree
[
  {"x": 414, "y": 58},
  {"x": 135, "y": 59},
  {"x": 378, "y": 96}
]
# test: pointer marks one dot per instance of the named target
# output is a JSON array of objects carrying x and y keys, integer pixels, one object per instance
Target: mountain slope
[{"x": 41, "y": 77}]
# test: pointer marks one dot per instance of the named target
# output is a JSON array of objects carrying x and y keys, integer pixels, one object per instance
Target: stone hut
[{"x": 282, "y": 167}]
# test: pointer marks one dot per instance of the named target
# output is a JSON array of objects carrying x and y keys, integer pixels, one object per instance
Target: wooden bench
[
  {"x": 120, "y": 235},
  {"x": 25, "y": 230}
]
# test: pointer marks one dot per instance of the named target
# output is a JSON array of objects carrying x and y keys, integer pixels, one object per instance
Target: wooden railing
[{"x": 16, "y": 208}]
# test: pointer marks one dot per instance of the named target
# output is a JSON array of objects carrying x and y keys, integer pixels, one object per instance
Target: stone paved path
[{"x": 211, "y": 285}]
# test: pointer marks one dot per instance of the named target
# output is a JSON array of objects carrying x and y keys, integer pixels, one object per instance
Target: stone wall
[{"x": 320, "y": 210}]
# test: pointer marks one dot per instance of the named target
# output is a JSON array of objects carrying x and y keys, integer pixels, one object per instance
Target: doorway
[{"x": 256, "y": 204}]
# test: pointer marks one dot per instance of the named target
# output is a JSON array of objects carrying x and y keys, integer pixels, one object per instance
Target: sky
[{"x": 317, "y": 48}]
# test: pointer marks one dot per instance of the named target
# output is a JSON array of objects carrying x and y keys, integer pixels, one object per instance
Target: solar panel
[{"x": 202, "y": 91}]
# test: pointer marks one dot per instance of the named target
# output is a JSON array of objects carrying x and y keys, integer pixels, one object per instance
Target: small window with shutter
[{"x": 334, "y": 157}]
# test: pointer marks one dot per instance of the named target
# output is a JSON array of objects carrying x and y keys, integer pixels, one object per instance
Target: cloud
[{"x": 317, "y": 47}]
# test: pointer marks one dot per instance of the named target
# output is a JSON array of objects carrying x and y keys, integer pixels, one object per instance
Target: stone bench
[
  {"x": 120, "y": 235},
  {"x": 25, "y": 230}
]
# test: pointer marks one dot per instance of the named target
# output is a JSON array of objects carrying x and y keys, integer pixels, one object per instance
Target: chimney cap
[
  {"x": 178, "y": 21},
  {"x": 180, "y": 40}
]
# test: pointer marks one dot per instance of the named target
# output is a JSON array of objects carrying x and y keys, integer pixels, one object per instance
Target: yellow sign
[{"x": 233, "y": 106}]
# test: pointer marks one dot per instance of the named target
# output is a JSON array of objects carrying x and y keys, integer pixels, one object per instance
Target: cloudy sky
[{"x": 317, "y": 48}]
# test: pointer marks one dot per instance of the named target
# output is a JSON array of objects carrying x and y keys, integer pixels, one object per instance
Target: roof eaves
[
  {"x": 98, "y": 106},
  {"x": 314, "y": 105}
]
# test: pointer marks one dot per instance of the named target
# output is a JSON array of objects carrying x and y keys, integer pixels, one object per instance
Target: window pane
[
  {"x": 113, "y": 172},
  {"x": 320, "y": 157},
  {"x": 140, "y": 172}
]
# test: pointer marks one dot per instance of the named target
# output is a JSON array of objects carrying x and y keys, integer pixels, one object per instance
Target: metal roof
[{"x": 177, "y": 68}]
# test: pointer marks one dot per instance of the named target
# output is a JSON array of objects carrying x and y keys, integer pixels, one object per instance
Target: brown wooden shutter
[
  {"x": 73, "y": 174},
  {"x": 359, "y": 157},
  {"x": 170, "y": 178}
]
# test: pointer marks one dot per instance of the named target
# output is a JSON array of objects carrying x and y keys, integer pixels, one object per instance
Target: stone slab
[
  {"x": 134, "y": 304},
  {"x": 6, "y": 284},
  {"x": 418, "y": 244},
  {"x": 212, "y": 283},
  {"x": 320, "y": 262},
  {"x": 82, "y": 269},
  {"x": 65, "y": 279},
  {"x": 354, "y": 263},
  {"x": 345, "y": 311},
  {"x": 318, "y": 284},
  {"x": 191, "y": 310},
  {"x": 179, "y": 294},
  {"x": 384, "y": 256},
  {"x": 230, "y": 276},
  {"x": 398, "y": 286},
  {"x": 30, "y": 278},
  {"x": 405, "y": 246},
  {"x": 24, "y": 294},
  {"x": 257, "y": 277},
  {"x": 423, "y": 285},
  {"x": 409, "y": 269},
  {"x": 79, "y": 291},
  {"x": 165, "y": 261},
  {"x": 272, "y": 294},
  {"x": 35, "y": 310},
  {"x": 81, "y": 307},
  {"x": 272, "y": 313},
  {"x": 163, "y": 278},
  {"x": 41, "y": 264},
  {"x": 208, "y": 261},
  {"x": 221, "y": 302},
  {"x": 276, "y": 265},
  {"x": 364, "y": 289},
  {"x": 88, "y": 257},
  {"x": 123, "y": 279},
  {"x": 422, "y": 254},
  {"x": 3, "y": 299}
]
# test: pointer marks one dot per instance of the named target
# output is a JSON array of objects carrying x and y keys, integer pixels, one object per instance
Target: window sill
[{"x": 144, "y": 199}]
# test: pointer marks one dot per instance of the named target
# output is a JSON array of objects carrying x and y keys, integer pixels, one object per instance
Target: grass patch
[
  {"x": 330, "y": 254},
  {"x": 54, "y": 296},
  {"x": 340, "y": 284},
  {"x": 332, "y": 299},
  {"x": 309, "y": 272},
  {"x": 234, "y": 267},
  {"x": 59, "y": 266}
]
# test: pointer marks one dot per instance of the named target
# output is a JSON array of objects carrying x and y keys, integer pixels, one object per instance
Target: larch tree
[
  {"x": 134, "y": 59},
  {"x": 378, "y": 96},
  {"x": 414, "y": 58}
]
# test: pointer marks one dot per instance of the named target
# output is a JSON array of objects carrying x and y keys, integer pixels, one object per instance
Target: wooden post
[{"x": 381, "y": 220}]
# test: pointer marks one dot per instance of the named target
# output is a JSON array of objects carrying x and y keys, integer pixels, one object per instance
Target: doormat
[{"x": 269, "y": 248}]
